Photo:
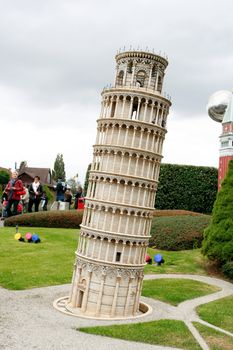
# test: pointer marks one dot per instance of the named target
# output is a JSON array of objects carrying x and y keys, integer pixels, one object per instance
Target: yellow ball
[{"x": 18, "y": 236}]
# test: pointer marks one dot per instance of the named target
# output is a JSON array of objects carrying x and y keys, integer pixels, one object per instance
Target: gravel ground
[{"x": 29, "y": 321}]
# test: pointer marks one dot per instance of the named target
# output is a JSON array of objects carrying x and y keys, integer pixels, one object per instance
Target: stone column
[
  {"x": 128, "y": 296},
  {"x": 145, "y": 111},
  {"x": 114, "y": 302},
  {"x": 85, "y": 297},
  {"x": 100, "y": 295},
  {"x": 123, "y": 107}
]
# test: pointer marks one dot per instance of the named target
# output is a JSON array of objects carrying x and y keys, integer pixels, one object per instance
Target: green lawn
[
  {"x": 174, "y": 291},
  {"x": 216, "y": 340},
  {"x": 184, "y": 261},
  {"x": 29, "y": 265},
  {"x": 24, "y": 265},
  {"x": 219, "y": 313},
  {"x": 164, "y": 332}
]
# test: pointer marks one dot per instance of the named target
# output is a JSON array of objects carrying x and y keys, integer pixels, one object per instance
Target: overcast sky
[{"x": 57, "y": 55}]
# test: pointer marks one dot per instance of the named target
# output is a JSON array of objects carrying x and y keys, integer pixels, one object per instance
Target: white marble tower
[{"x": 110, "y": 258}]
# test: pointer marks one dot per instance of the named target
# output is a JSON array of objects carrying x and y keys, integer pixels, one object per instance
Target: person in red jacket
[{"x": 14, "y": 189}]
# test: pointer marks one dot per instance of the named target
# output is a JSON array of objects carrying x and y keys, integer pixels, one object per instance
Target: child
[
  {"x": 4, "y": 204},
  {"x": 44, "y": 201}
]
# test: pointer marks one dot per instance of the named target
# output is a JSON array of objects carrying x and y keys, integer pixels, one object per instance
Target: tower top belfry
[{"x": 140, "y": 69}]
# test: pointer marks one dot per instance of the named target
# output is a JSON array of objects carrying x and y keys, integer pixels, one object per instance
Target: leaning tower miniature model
[{"x": 119, "y": 205}]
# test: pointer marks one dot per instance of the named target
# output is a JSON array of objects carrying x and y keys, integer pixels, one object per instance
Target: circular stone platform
[{"x": 61, "y": 305}]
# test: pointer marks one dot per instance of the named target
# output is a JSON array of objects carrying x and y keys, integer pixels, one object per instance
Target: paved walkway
[{"x": 28, "y": 320}]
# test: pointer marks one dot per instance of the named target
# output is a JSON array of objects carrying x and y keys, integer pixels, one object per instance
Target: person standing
[
  {"x": 44, "y": 201},
  {"x": 78, "y": 195},
  {"x": 68, "y": 197},
  {"x": 14, "y": 190},
  {"x": 60, "y": 189},
  {"x": 35, "y": 192},
  {"x": 25, "y": 200}
]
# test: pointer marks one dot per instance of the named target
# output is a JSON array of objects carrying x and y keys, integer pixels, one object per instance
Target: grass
[
  {"x": 29, "y": 265},
  {"x": 174, "y": 291},
  {"x": 164, "y": 332},
  {"x": 184, "y": 261},
  {"x": 24, "y": 265},
  {"x": 219, "y": 313},
  {"x": 216, "y": 340}
]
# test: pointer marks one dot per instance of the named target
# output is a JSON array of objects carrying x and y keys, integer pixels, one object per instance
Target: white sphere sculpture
[{"x": 217, "y": 104}]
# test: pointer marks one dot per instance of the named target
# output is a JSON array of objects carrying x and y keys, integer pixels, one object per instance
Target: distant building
[{"x": 27, "y": 174}]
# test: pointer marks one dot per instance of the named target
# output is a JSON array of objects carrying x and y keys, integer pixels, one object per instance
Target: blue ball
[
  {"x": 158, "y": 258},
  {"x": 35, "y": 238}
]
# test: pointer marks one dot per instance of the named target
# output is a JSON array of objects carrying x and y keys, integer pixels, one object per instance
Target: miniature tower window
[
  {"x": 130, "y": 67},
  {"x": 118, "y": 256},
  {"x": 140, "y": 78},
  {"x": 120, "y": 78},
  {"x": 159, "y": 87},
  {"x": 153, "y": 73}
]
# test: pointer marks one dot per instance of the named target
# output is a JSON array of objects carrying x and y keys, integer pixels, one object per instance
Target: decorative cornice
[
  {"x": 116, "y": 236},
  {"x": 143, "y": 55},
  {"x": 133, "y": 91},
  {"x": 134, "y": 123}
]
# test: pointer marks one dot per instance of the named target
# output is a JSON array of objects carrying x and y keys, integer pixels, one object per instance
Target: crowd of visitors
[{"x": 17, "y": 198}]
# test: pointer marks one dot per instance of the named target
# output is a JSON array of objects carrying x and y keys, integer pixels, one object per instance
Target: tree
[
  {"x": 86, "y": 179},
  {"x": 4, "y": 178},
  {"x": 218, "y": 236},
  {"x": 73, "y": 183},
  {"x": 59, "y": 168}
]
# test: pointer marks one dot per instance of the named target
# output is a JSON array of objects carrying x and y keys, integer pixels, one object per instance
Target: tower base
[{"x": 62, "y": 305}]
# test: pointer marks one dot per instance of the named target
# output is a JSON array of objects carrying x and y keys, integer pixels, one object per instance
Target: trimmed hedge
[
  {"x": 187, "y": 187},
  {"x": 168, "y": 212},
  {"x": 61, "y": 219},
  {"x": 178, "y": 232}
]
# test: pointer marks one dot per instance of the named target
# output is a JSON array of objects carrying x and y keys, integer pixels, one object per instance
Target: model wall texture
[{"x": 131, "y": 128}]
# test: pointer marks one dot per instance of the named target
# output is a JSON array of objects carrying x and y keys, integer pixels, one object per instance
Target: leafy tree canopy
[
  {"x": 218, "y": 237},
  {"x": 59, "y": 168},
  {"x": 4, "y": 177}
]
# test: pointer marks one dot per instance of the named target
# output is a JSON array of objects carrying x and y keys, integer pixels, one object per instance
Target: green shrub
[
  {"x": 228, "y": 269},
  {"x": 218, "y": 237},
  {"x": 62, "y": 219},
  {"x": 187, "y": 187},
  {"x": 4, "y": 177},
  {"x": 178, "y": 232}
]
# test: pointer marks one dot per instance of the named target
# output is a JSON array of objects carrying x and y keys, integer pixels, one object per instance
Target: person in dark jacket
[
  {"x": 35, "y": 192},
  {"x": 14, "y": 190},
  {"x": 60, "y": 189},
  {"x": 78, "y": 195}
]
